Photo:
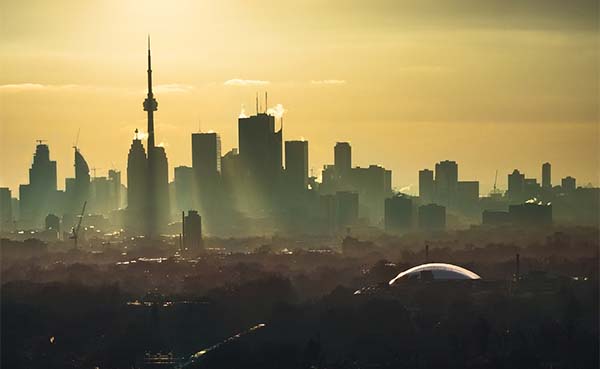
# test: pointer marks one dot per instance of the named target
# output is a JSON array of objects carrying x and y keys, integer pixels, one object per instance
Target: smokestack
[
  {"x": 266, "y": 103},
  {"x": 257, "y": 103}
]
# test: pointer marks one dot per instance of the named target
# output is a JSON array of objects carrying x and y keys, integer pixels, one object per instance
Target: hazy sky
[{"x": 498, "y": 84}]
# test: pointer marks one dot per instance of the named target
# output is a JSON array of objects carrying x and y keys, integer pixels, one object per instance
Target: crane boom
[
  {"x": 75, "y": 235},
  {"x": 495, "y": 180}
]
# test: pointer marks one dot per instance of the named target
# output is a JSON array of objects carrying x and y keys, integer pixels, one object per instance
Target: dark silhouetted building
[
  {"x": 495, "y": 218},
  {"x": 137, "y": 188},
  {"x": 546, "y": 176},
  {"x": 426, "y": 186},
  {"x": 184, "y": 188},
  {"x": 6, "y": 214},
  {"x": 432, "y": 217},
  {"x": 260, "y": 161},
  {"x": 516, "y": 186},
  {"x": 192, "y": 230},
  {"x": 531, "y": 188},
  {"x": 467, "y": 196},
  {"x": 296, "y": 165},
  {"x": 52, "y": 222},
  {"x": 230, "y": 169},
  {"x": 342, "y": 153},
  {"x": 37, "y": 198},
  {"x": 373, "y": 185},
  {"x": 398, "y": 214},
  {"x": 530, "y": 214},
  {"x": 206, "y": 163},
  {"x": 206, "y": 155},
  {"x": 114, "y": 178},
  {"x": 568, "y": 184},
  {"x": 446, "y": 182},
  {"x": 158, "y": 170},
  {"x": 346, "y": 209},
  {"x": 327, "y": 212},
  {"x": 77, "y": 190}
]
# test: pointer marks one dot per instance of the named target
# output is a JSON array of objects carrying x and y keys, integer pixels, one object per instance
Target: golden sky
[{"x": 497, "y": 84}]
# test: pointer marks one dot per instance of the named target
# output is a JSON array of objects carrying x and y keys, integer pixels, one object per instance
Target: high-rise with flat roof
[
  {"x": 260, "y": 150},
  {"x": 446, "y": 182},
  {"x": 296, "y": 165},
  {"x": 426, "y": 186},
  {"x": 546, "y": 176},
  {"x": 342, "y": 157}
]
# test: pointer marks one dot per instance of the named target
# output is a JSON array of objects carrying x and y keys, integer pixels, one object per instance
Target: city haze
[{"x": 407, "y": 83}]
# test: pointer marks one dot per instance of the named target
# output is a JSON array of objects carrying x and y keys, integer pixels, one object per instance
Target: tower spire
[{"x": 150, "y": 104}]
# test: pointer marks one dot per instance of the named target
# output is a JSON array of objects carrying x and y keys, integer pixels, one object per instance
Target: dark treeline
[{"x": 85, "y": 310}]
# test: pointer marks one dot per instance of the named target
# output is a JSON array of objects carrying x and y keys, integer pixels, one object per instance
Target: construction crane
[
  {"x": 75, "y": 230},
  {"x": 94, "y": 171},
  {"x": 495, "y": 190}
]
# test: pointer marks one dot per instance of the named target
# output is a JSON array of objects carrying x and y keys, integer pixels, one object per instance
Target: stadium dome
[{"x": 436, "y": 271}]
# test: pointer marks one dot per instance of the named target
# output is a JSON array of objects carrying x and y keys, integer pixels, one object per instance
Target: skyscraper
[
  {"x": 516, "y": 186},
  {"x": 546, "y": 176},
  {"x": 426, "y": 186},
  {"x": 446, "y": 182},
  {"x": 568, "y": 184},
  {"x": 78, "y": 189},
  {"x": 184, "y": 184},
  {"x": 398, "y": 214},
  {"x": 192, "y": 230},
  {"x": 432, "y": 217},
  {"x": 206, "y": 164},
  {"x": 346, "y": 209},
  {"x": 6, "y": 215},
  {"x": 260, "y": 160},
  {"x": 114, "y": 177},
  {"x": 206, "y": 154},
  {"x": 37, "y": 197},
  {"x": 296, "y": 165},
  {"x": 137, "y": 177},
  {"x": 342, "y": 158}
]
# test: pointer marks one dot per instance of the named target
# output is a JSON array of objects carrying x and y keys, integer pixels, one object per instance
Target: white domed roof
[{"x": 439, "y": 271}]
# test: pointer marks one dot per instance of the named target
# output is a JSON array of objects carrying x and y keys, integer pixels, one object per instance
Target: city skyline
[{"x": 425, "y": 92}]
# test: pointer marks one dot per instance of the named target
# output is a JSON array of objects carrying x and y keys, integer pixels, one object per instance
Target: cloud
[
  {"x": 328, "y": 82},
  {"x": 26, "y": 87},
  {"x": 173, "y": 88},
  {"x": 276, "y": 111},
  {"x": 245, "y": 82}
]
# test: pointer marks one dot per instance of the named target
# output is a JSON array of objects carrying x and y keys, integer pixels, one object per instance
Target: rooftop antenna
[
  {"x": 266, "y": 104},
  {"x": 77, "y": 138}
]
